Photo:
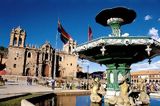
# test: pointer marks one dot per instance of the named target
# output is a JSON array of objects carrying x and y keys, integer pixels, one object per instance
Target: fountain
[{"x": 118, "y": 52}]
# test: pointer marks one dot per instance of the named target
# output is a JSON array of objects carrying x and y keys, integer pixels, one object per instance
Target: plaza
[{"x": 42, "y": 61}]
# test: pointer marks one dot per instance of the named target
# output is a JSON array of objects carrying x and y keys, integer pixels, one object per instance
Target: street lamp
[{"x": 88, "y": 77}]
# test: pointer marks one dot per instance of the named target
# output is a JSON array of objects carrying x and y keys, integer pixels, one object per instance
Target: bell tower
[
  {"x": 68, "y": 48},
  {"x": 16, "y": 52},
  {"x": 17, "y": 37}
]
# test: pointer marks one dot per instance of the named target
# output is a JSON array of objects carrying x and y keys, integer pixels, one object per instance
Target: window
[
  {"x": 14, "y": 41},
  {"x": 60, "y": 58},
  {"x": 20, "y": 42},
  {"x": 47, "y": 48},
  {"x": 14, "y": 65},
  {"x": 69, "y": 49},
  {"x": 29, "y": 54},
  {"x": 46, "y": 56},
  {"x": 71, "y": 64}
]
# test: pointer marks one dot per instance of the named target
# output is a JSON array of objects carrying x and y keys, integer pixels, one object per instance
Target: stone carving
[
  {"x": 143, "y": 96},
  {"x": 95, "y": 96},
  {"x": 123, "y": 99}
]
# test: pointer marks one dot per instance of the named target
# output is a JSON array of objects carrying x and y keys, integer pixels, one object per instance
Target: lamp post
[
  {"x": 88, "y": 77},
  {"x": 55, "y": 58}
]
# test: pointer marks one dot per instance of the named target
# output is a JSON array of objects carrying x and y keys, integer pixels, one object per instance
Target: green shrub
[{"x": 17, "y": 101}]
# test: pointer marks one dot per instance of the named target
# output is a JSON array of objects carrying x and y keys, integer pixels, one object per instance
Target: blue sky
[{"x": 39, "y": 19}]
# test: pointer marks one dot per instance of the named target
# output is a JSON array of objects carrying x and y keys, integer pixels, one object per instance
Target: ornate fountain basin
[{"x": 108, "y": 50}]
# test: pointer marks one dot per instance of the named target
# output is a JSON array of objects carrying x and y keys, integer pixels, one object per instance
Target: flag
[
  {"x": 63, "y": 34},
  {"x": 89, "y": 33}
]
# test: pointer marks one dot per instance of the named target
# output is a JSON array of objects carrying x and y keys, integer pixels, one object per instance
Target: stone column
[
  {"x": 22, "y": 42},
  {"x": 11, "y": 39}
]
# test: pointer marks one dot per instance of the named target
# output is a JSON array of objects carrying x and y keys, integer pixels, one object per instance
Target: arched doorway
[
  {"x": 27, "y": 72},
  {"x": 45, "y": 71}
]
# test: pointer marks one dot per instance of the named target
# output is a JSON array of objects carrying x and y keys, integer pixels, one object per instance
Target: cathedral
[{"x": 29, "y": 60}]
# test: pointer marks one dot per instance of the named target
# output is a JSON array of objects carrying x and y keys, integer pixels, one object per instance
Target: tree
[{"x": 3, "y": 53}]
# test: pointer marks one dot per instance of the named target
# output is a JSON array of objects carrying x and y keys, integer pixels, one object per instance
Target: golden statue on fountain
[
  {"x": 125, "y": 99},
  {"x": 95, "y": 97}
]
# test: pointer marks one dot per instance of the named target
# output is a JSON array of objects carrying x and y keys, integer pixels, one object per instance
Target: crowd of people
[
  {"x": 153, "y": 86},
  {"x": 149, "y": 86},
  {"x": 70, "y": 85}
]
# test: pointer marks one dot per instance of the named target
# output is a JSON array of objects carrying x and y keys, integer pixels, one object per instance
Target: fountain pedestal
[{"x": 114, "y": 74}]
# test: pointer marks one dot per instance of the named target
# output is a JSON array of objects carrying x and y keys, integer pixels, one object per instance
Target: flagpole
[
  {"x": 88, "y": 32},
  {"x": 55, "y": 58}
]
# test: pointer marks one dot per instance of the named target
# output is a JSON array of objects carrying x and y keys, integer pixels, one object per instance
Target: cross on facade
[
  {"x": 103, "y": 50},
  {"x": 148, "y": 49}
]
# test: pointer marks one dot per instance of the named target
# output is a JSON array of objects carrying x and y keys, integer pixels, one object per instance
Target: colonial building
[
  {"x": 150, "y": 75},
  {"x": 31, "y": 61},
  {"x": 67, "y": 60}
]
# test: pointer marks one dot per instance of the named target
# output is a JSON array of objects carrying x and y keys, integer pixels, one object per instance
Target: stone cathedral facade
[{"x": 32, "y": 61}]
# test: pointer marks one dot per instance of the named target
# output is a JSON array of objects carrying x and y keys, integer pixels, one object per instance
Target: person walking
[{"x": 53, "y": 83}]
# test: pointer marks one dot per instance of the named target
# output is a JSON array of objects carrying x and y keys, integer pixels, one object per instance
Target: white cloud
[
  {"x": 91, "y": 66},
  {"x": 158, "y": 19},
  {"x": 147, "y": 17},
  {"x": 110, "y": 35},
  {"x": 125, "y": 35},
  {"x": 146, "y": 66},
  {"x": 153, "y": 32}
]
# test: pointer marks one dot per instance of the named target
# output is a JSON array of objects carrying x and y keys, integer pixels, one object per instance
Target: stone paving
[
  {"x": 20, "y": 88},
  {"x": 13, "y": 89}
]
